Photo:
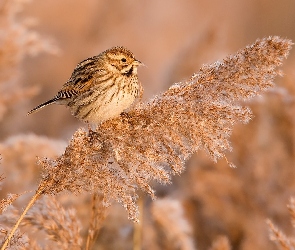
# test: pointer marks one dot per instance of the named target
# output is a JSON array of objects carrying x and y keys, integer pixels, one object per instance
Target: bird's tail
[{"x": 34, "y": 110}]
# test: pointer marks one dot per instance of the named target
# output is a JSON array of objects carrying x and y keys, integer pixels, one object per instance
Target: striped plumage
[{"x": 100, "y": 87}]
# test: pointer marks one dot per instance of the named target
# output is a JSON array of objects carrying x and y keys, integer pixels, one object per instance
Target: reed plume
[{"x": 153, "y": 141}]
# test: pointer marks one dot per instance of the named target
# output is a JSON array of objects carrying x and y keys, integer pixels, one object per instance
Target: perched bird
[{"x": 101, "y": 87}]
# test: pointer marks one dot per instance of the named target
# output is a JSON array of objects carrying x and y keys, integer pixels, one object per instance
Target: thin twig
[
  {"x": 30, "y": 204},
  {"x": 98, "y": 214}
]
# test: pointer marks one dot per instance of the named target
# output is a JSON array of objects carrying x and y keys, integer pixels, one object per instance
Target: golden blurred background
[{"x": 173, "y": 39}]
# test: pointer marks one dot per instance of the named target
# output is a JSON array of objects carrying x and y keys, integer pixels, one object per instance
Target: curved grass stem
[{"x": 30, "y": 204}]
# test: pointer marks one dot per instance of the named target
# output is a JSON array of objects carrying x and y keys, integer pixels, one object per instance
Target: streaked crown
[{"x": 121, "y": 59}]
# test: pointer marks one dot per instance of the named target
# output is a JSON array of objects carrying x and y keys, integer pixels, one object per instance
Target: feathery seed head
[{"x": 156, "y": 138}]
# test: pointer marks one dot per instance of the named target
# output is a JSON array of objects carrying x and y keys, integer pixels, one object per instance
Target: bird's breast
[{"x": 107, "y": 100}]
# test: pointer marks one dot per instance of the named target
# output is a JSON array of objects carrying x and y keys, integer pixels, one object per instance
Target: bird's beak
[{"x": 137, "y": 63}]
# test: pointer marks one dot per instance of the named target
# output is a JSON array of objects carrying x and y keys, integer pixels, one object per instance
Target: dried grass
[
  {"x": 174, "y": 228},
  {"x": 154, "y": 140},
  {"x": 276, "y": 235},
  {"x": 60, "y": 225}
]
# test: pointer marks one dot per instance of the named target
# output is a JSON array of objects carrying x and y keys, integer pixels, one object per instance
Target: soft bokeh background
[{"x": 173, "y": 38}]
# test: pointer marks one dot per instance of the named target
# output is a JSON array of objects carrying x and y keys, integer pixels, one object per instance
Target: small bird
[{"x": 100, "y": 87}]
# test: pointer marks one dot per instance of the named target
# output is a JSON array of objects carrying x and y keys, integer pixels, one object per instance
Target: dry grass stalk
[
  {"x": 276, "y": 235},
  {"x": 19, "y": 240},
  {"x": 221, "y": 243},
  {"x": 98, "y": 215},
  {"x": 10, "y": 236},
  {"x": 169, "y": 216},
  {"x": 291, "y": 208},
  {"x": 60, "y": 225},
  {"x": 283, "y": 242},
  {"x": 155, "y": 139}
]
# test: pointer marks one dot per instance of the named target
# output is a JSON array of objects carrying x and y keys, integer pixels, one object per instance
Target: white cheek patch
[
  {"x": 127, "y": 69},
  {"x": 134, "y": 70}
]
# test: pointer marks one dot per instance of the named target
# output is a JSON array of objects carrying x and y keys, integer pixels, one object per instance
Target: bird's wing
[{"x": 82, "y": 78}]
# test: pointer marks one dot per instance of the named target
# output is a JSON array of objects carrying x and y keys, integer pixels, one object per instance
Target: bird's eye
[{"x": 123, "y": 59}]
